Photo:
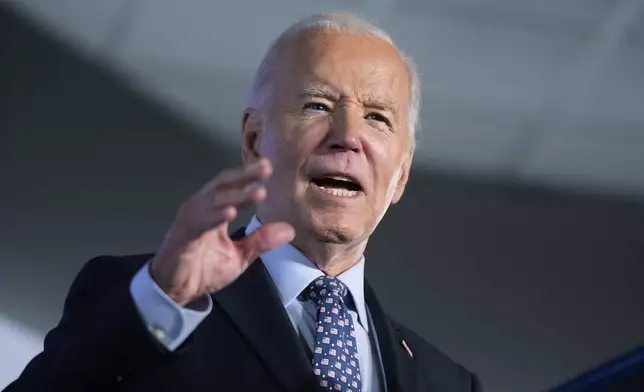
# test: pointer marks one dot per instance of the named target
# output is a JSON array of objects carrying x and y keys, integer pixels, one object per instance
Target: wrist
[{"x": 157, "y": 277}]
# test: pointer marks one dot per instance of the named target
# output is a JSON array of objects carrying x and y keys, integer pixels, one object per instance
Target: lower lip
[{"x": 337, "y": 192}]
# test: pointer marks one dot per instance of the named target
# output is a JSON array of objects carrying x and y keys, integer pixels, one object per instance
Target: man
[{"x": 327, "y": 142}]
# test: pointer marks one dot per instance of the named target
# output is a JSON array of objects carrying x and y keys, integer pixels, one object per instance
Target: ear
[
  {"x": 251, "y": 135},
  {"x": 404, "y": 175}
]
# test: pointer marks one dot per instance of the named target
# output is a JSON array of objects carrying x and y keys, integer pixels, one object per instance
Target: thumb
[{"x": 264, "y": 239}]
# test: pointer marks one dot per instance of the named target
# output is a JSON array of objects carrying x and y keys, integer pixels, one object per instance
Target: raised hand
[{"x": 198, "y": 256}]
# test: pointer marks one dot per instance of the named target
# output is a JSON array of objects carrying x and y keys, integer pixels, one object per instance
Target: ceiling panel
[
  {"x": 205, "y": 33},
  {"x": 619, "y": 91},
  {"x": 499, "y": 76},
  {"x": 88, "y": 24},
  {"x": 635, "y": 35},
  {"x": 209, "y": 96},
  {"x": 481, "y": 64},
  {"x": 576, "y": 162},
  {"x": 471, "y": 142},
  {"x": 563, "y": 17}
]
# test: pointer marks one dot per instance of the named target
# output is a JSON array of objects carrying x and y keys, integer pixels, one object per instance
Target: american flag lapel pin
[{"x": 406, "y": 347}]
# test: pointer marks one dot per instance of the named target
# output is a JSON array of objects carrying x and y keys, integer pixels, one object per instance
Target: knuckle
[{"x": 220, "y": 198}]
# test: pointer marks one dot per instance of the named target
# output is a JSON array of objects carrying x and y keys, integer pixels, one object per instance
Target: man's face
[{"x": 336, "y": 130}]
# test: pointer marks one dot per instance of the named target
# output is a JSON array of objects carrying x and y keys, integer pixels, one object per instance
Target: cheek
[
  {"x": 285, "y": 147},
  {"x": 292, "y": 138},
  {"x": 380, "y": 148},
  {"x": 273, "y": 141},
  {"x": 387, "y": 164}
]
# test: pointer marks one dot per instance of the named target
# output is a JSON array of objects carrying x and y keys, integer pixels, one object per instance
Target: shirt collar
[{"x": 291, "y": 272}]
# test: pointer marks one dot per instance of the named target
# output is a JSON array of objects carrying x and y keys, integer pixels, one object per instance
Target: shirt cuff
[{"x": 168, "y": 322}]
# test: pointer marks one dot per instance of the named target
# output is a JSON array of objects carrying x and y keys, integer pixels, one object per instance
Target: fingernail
[{"x": 266, "y": 165}]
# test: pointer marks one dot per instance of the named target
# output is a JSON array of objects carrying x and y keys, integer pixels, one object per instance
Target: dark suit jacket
[{"x": 247, "y": 343}]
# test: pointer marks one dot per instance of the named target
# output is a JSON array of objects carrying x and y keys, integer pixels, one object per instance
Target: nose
[{"x": 345, "y": 130}]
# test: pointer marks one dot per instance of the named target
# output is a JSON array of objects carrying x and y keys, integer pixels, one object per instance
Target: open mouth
[{"x": 340, "y": 186}]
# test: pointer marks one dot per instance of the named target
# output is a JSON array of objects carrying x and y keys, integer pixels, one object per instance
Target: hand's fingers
[
  {"x": 258, "y": 171},
  {"x": 240, "y": 177},
  {"x": 212, "y": 220},
  {"x": 264, "y": 239},
  {"x": 240, "y": 198}
]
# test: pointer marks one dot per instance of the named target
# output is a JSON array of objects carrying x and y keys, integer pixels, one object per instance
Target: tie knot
[{"x": 327, "y": 290}]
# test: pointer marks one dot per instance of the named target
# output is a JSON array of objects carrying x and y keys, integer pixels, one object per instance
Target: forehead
[{"x": 355, "y": 65}]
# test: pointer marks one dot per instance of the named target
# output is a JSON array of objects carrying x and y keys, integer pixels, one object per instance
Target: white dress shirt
[{"x": 291, "y": 272}]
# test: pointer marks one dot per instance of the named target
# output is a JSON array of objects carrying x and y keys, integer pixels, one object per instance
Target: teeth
[
  {"x": 340, "y": 178},
  {"x": 339, "y": 192}
]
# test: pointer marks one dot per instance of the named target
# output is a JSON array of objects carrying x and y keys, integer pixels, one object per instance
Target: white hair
[{"x": 337, "y": 22}]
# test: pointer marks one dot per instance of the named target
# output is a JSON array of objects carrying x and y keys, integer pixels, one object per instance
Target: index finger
[{"x": 240, "y": 177}]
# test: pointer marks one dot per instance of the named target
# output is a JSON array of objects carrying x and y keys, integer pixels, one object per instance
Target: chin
[
  {"x": 334, "y": 229},
  {"x": 334, "y": 236}
]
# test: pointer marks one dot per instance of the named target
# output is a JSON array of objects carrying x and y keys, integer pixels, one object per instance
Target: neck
[{"x": 332, "y": 259}]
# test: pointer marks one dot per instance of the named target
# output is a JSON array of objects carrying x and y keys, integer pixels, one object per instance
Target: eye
[
  {"x": 377, "y": 117},
  {"x": 316, "y": 106}
]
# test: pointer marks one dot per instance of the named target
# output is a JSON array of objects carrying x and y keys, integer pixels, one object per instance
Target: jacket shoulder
[
  {"x": 434, "y": 363},
  {"x": 107, "y": 270}
]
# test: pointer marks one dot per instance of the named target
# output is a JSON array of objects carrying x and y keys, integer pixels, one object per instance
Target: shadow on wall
[
  {"x": 88, "y": 166},
  {"x": 526, "y": 287}
]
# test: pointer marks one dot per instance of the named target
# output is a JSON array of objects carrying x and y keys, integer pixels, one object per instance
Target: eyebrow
[
  {"x": 369, "y": 101},
  {"x": 320, "y": 91},
  {"x": 380, "y": 103}
]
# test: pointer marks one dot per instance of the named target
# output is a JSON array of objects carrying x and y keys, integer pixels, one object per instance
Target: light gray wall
[{"x": 524, "y": 286}]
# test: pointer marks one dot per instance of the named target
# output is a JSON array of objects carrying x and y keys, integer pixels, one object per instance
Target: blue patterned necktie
[{"x": 335, "y": 355}]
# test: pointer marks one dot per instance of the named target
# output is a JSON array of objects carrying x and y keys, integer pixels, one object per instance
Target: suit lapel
[
  {"x": 400, "y": 370},
  {"x": 254, "y": 306}
]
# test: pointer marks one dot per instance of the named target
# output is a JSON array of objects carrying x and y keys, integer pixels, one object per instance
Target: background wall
[
  {"x": 539, "y": 92},
  {"x": 527, "y": 286}
]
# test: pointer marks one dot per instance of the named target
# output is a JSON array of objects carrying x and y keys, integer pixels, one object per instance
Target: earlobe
[{"x": 251, "y": 134}]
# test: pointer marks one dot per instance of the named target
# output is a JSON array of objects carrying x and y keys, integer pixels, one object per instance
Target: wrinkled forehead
[{"x": 352, "y": 64}]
